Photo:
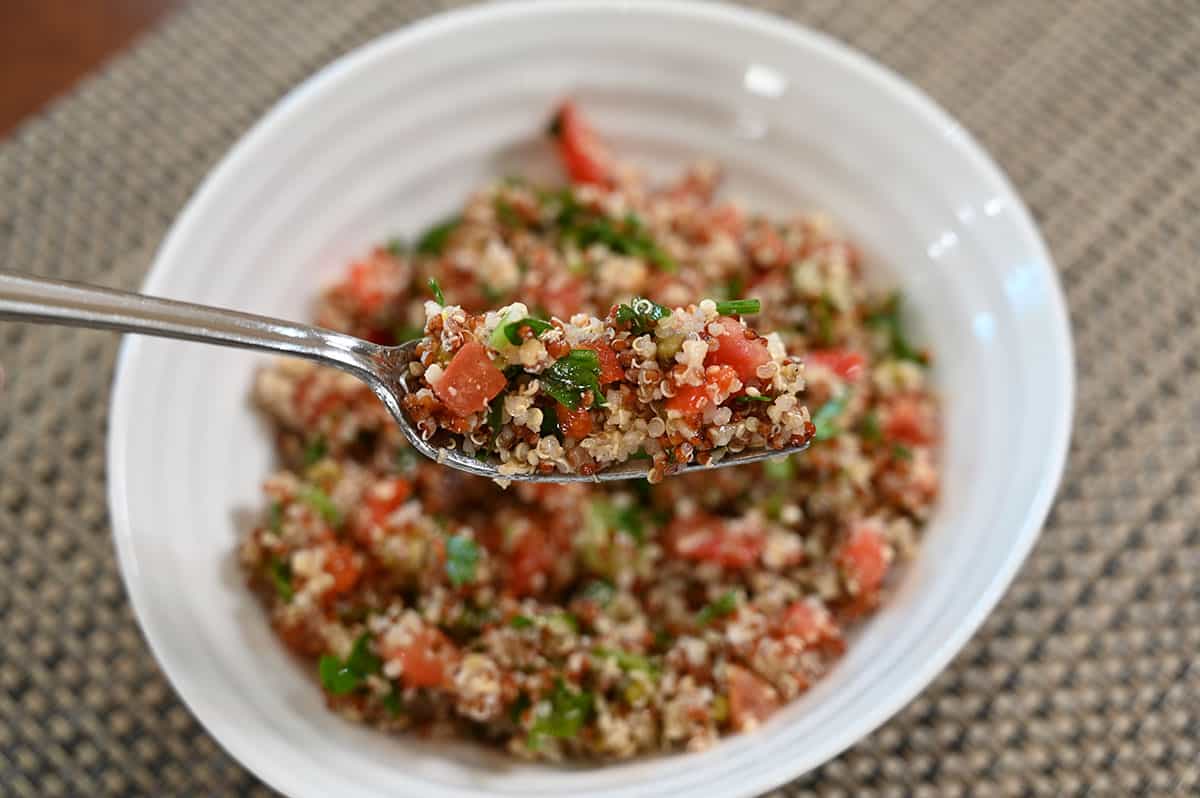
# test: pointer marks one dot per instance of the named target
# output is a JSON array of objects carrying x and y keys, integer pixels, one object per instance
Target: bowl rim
[{"x": 760, "y": 23}]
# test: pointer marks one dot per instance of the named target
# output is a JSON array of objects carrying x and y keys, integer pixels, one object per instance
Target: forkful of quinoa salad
[{"x": 647, "y": 391}]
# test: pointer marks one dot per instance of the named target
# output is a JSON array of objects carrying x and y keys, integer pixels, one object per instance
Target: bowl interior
[{"x": 392, "y": 138}]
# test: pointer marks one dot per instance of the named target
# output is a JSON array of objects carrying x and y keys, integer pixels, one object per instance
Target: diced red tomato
[
  {"x": 751, "y": 699},
  {"x": 738, "y": 352},
  {"x": 707, "y": 538},
  {"x": 863, "y": 558},
  {"x": 583, "y": 153},
  {"x": 343, "y": 565},
  {"x": 574, "y": 423},
  {"x": 909, "y": 422},
  {"x": 813, "y": 625},
  {"x": 610, "y": 367},
  {"x": 470, "y": 381},
  {"x": 530, "y": 564},
  {"x": 425, "y": 659},
  {"x": 693, "y": 399},
  {"x": 362, "y": 288},
  {"x": 689, "y": 399},
  {"x": 374, "y": 281},
  {"x": 386, "y": 497},
  {"x": 847, "y": 364}
]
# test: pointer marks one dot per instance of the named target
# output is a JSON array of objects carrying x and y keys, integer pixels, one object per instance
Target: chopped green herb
[
  {"x": 825, "y": 418},
  {"x": 635, "y": 691},
  {"x": 520, "y": 622},
  {"x": 436, "y": 289},
  {"x": 569, "y": 377},
  {"x": 627, "y": 237},
  {"x": 725, "y": 605},
  {"x": 562, "y": 203},
  {"x": 663, "y": 639},
  {"x": 598, "y": 591},
  {"x": 644, "y": 244},
  {"x": 569, "y": 711},
  {"x": 780, "y": 469},
  {"x": 747, "y": 399},
  {"x": 281, "y": 576},
  {"x": 518, "y": 708},
  {"x": 887, "y": 318},
  {"x": 392, "y": 702},
  {"x": 472, "y": 619},
  {"x": 341, "y": 678},
  {"x": 512, "y": 329},
  {"x": 317, "y": 499},
  {"x": 774, "y": 506},
  {"x": 276, "y": 518},
  {"x": 584, "y": 227},
  {"x": 315, "y": 451},
  {"x": 433, "y": 241},
  {"x": 506, "y": 213},
  {"x": 334, "y": 676},
  {"x": 627, "y": 661},
  {"x": 719, "y": 709},
  {"x": 869, "y": 429},
  {"x": 901, "y": 452},
  {"x": 658, "y": 257},
  {"x": 741, "y": 307},
  {"x": 495, "y": 417},
  {"x": 641, "y": 315},
  {"x": 361, "y": 660},
  {"x": 396, "y": 247},
  {"x": 627, "y": 519},
  {"x": 549, "y": 428},
  {"x": 568, "y": 620},
  {"x": 823, "y": 313},
  {"x": 462, "y": 557}
]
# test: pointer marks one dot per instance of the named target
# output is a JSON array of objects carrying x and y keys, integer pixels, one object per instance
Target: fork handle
[{"x": 37, "y": 299}]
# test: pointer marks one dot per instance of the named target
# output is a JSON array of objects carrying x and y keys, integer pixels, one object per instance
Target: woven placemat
[{"x": 1084, "y": 681}]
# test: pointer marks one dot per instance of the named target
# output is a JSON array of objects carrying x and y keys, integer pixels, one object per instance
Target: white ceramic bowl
[{"x": 392, "y": 137}]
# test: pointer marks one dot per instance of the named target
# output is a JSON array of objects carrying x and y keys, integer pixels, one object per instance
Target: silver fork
[{"x": 36, "y": 299}]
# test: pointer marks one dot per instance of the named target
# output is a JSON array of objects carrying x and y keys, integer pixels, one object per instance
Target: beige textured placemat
[{"x": 1084, "y": 681}]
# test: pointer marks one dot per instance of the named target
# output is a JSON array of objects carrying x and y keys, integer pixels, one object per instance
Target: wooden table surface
[{"x": 46, "y": 46}]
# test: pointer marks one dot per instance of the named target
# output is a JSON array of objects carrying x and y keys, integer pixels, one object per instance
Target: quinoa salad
[
  {"x": 595, "y": 621},
  {"x": 546, "y": 396}
]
